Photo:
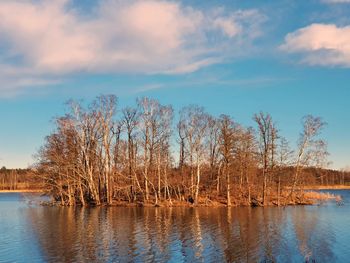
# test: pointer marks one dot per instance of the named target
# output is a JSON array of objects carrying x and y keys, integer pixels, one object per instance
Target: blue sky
[{"x": 288, "y": 58}]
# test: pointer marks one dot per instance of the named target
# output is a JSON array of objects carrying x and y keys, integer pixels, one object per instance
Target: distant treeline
[
  {"x": 19, "y": 179},
  {"x": 320, "y": 177},
  {"x": 100, "y": 154}
]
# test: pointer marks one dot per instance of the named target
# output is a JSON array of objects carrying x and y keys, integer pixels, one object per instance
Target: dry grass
[{"x": 322, "y": 196}]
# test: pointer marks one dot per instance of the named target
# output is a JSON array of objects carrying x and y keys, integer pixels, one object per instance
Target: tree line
[
  {"x": 19, "y": 179},
  {"x": 100, "y": 154}
]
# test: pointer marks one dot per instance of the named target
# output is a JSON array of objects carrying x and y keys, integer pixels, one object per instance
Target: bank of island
[{"x": 31, "y": 181}]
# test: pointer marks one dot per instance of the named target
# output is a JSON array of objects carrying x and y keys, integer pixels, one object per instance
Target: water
[{"x": 31, "y": 233}]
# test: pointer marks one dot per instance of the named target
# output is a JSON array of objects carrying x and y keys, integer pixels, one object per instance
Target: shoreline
[
  {"x": 23, "y": 191},
  {"x": 326, "y": 187},
  {"x": 312, "y": 197}
]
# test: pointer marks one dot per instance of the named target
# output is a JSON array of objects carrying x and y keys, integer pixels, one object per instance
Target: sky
[{"x": 288, "y": 58}]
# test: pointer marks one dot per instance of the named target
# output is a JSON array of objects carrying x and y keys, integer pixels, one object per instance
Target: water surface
[{"x": 31, "y": 233}]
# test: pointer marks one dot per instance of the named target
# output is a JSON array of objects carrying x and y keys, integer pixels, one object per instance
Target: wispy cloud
[
  {"x": 148, "y": 87},
  {"x": 16, "y": 80},
  {"x": 52, "y": 38},
  {"x": 336, "y": 1},
  {"x": 320, "y": 44}
]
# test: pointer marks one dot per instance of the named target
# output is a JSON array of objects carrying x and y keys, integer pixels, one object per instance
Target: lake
[{"x": 33, "y": 233}]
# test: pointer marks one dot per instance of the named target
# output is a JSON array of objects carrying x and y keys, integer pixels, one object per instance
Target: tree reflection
[
  {"x": 314, "y": 237},
  {"x": 113, "y": 234}
]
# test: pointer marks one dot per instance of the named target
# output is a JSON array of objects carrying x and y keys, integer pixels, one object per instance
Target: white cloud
[
  {"x": 321, "y": 44},
  {"x": 144, "y": 36}
]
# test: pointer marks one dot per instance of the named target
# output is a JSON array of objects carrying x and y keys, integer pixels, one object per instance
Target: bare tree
[
  {"x": 155, "y": 126},
  {"x": 195, "y": 122},
  {"x": 182, "y": 146},
  {"x": 267, "y": 134},
  {"x": 312, "y": 127},
  {"x": 130, "y": 119},
  {"x": 284, "y": 160},
  {"x": 228, "y": 137},
  {"x": 105, "y": 107},
  {"x": 213, "y": 146},
  {"x": 227, "y": 140},
  {"x": 246, "y": 158}
]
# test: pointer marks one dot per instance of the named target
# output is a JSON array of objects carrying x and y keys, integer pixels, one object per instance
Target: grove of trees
[{"x": 101, "y": 154}]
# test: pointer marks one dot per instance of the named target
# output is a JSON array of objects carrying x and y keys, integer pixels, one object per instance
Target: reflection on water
[{"x": 291, "y": 234}]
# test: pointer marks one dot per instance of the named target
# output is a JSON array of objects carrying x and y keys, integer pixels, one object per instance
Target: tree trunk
[
  {"x": 198, "y": 181},
  {"x": 159, "y": 175},
  {"x": 228, "y": 186}
]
